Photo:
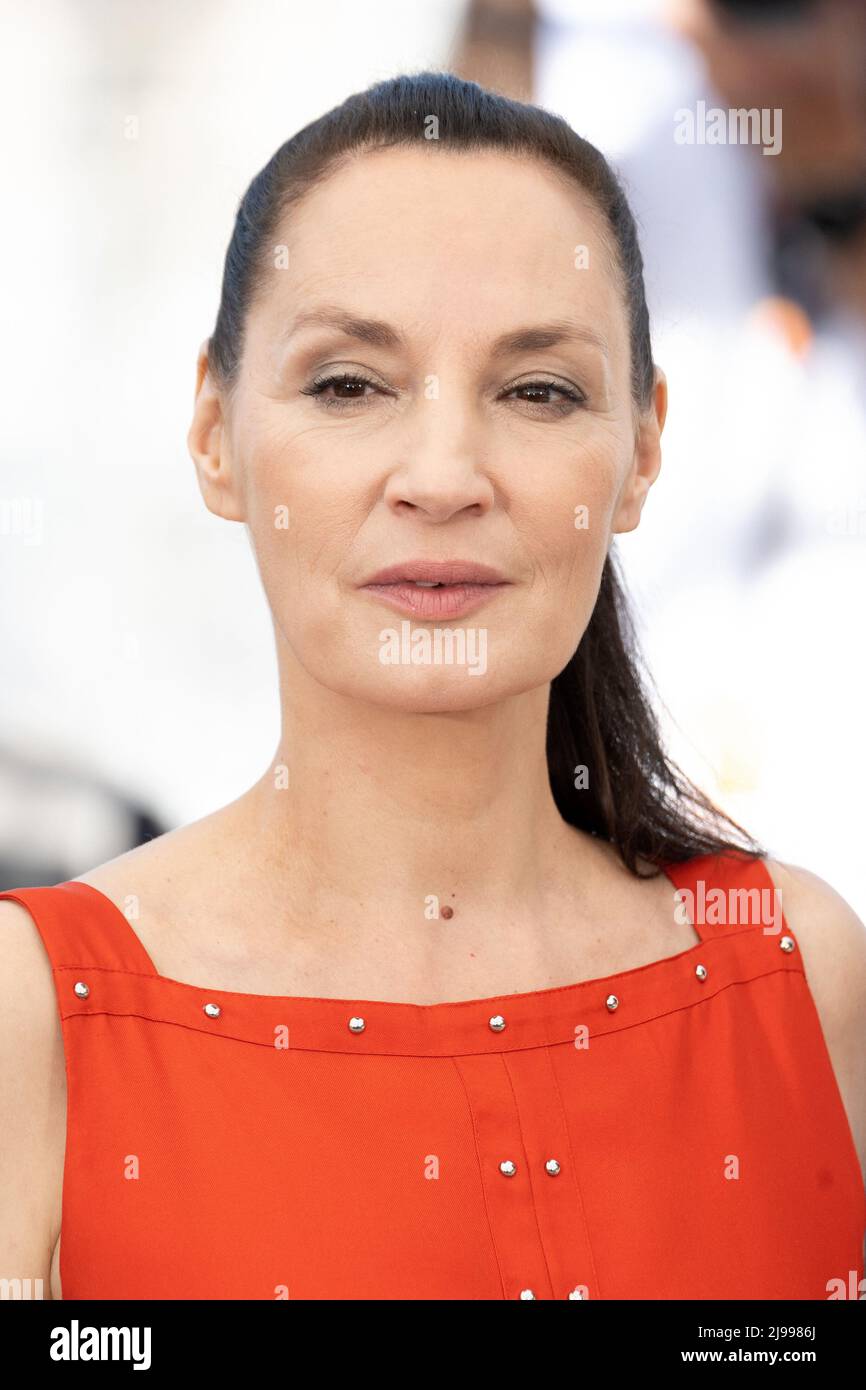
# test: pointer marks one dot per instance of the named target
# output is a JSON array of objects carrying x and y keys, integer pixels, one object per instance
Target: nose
[{"x": 441, "y": 471}]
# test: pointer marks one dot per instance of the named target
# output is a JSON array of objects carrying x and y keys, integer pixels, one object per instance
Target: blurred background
[{"x": 138, "y": 676}]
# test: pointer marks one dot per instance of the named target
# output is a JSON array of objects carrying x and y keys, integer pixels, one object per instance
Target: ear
[
  {"x": 647, "y": 458},
  {"x": 208, "y": 443}
]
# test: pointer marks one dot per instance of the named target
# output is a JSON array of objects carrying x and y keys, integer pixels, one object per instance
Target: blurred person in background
[
  {"x": 755, "y": 278},
  {"x": 808, "y": 58}
]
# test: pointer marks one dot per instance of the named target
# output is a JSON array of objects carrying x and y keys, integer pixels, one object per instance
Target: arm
[
  {"x": 832, "y": 939},
  {"x": 32, "y": 1104}
]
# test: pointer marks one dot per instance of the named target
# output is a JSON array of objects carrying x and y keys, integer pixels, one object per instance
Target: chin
[
  {"x": 419, "y": 690},
  {"x": 401, "y": 664}
]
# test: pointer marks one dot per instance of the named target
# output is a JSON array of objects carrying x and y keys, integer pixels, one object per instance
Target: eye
[
  {"x": 570, "y": 400},
  {"x": 350, "y": 385},
  {"x": 350, "y": 391}
]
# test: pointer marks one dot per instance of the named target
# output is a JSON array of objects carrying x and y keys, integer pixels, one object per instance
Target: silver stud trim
[
  {"x": 212, "y": 1010},
  {"x": 507, "y": 1168},
  {"x": 81, "y": 989},
  {"x": 526, "y": 1293},
  {"x": 612, "y": 1002},
  {"x": 575, "y": 1293},
  {"x": 701, "y": 972},
  {"x": 497, "y": 1023},
  {"x": 356, "y": 1025},
  {"x": 551, "y": 1167},
  {"x": 787, "y": 943}
]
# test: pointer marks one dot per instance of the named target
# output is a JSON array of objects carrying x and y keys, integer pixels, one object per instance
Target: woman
[{"x": 423, "y": 1013}]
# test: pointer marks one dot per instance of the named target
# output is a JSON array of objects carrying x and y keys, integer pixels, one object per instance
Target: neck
[{"x": 370, "y": 813}]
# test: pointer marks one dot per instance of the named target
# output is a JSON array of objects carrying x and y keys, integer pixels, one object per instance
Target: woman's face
[{"x": 487, "y": 420}]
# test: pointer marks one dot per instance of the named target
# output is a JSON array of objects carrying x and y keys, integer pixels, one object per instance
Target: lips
[{"x": 435, "y": 588}]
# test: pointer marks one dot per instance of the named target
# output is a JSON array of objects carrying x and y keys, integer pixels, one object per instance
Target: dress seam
[
  {"x": 456, "y": 1065},
  {"x": 531, "y": 1182},
  {"x": 574, "y": 1170},
  {"x": 530, "y": 1047}
]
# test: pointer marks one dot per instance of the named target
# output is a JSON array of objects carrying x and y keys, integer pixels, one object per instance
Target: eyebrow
[{"x": 377, "y": 333}]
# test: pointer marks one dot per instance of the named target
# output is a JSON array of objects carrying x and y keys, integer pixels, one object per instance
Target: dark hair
[{"x": 600, "y": 713}]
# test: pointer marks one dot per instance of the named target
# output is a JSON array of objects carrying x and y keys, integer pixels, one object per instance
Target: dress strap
[
  {"x": 721, "y": 894},
  {"x": 80, "y": 927}
]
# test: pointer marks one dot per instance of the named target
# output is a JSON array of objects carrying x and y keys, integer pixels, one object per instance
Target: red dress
[{"x": 672, "y": 1131}]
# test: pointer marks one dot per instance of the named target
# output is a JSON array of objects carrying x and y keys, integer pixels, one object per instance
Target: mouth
[{"x": 435, "y": 588}]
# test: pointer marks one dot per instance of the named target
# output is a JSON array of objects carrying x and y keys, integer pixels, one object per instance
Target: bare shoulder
[
  {"x": 132, "y": 874},
  {"x": 158, "y": 871},
  {"x": 32, "y": 1101},
  {"x": 32, "y": 1059},
  {"x": 26, "y": 983},
  {"x": 832, "y": 939},
  {"x": 176, "y": 889}
]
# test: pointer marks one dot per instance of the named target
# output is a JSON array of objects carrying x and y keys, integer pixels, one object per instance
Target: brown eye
[
  {"x": 538, "y": 394},
  {"x": 349, "y": 390}
]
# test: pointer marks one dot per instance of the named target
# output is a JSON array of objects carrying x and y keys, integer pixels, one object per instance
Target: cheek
[
  {"x": 298, "y": 507},
  {"x": 564, "y": 516},
  {"x": 304, "y": 518},
  {"x": 565, "y": 509}
]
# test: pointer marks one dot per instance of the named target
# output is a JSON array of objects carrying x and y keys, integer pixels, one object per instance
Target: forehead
[{"x": 472, "y": 240}]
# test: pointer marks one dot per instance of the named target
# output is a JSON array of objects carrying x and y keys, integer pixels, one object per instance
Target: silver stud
[
  {"x": 787, "y": 943},
  {"x": 551, "y": 1167},
  {"x": 508, "y": 1168},
  {"x": 612, "y": 1002},
  {"x": 575, "y": 1293},
  {"x": 82, "y": 990},
  {"x": 497, "y": 1023},
  {"x": 356, "y": 1025},
  {"x": 212, "y": 1010},
  {"x": 526, "y": 1293},
  {"x": 701, "y": 972}
]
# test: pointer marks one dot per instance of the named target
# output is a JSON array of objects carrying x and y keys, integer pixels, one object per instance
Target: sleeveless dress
[{"x": 672, "y": 1131}]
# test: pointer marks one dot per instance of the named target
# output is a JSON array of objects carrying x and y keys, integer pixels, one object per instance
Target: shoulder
[
  {"x": 184, "y": 875},
  {"x": 32, "y": 1099},
  {"x": 25, "y": 971},
  {"x": 159, "y": 869},
  {"x": 30, "y": 1032},
  {"x": 832, "y": 941}
]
